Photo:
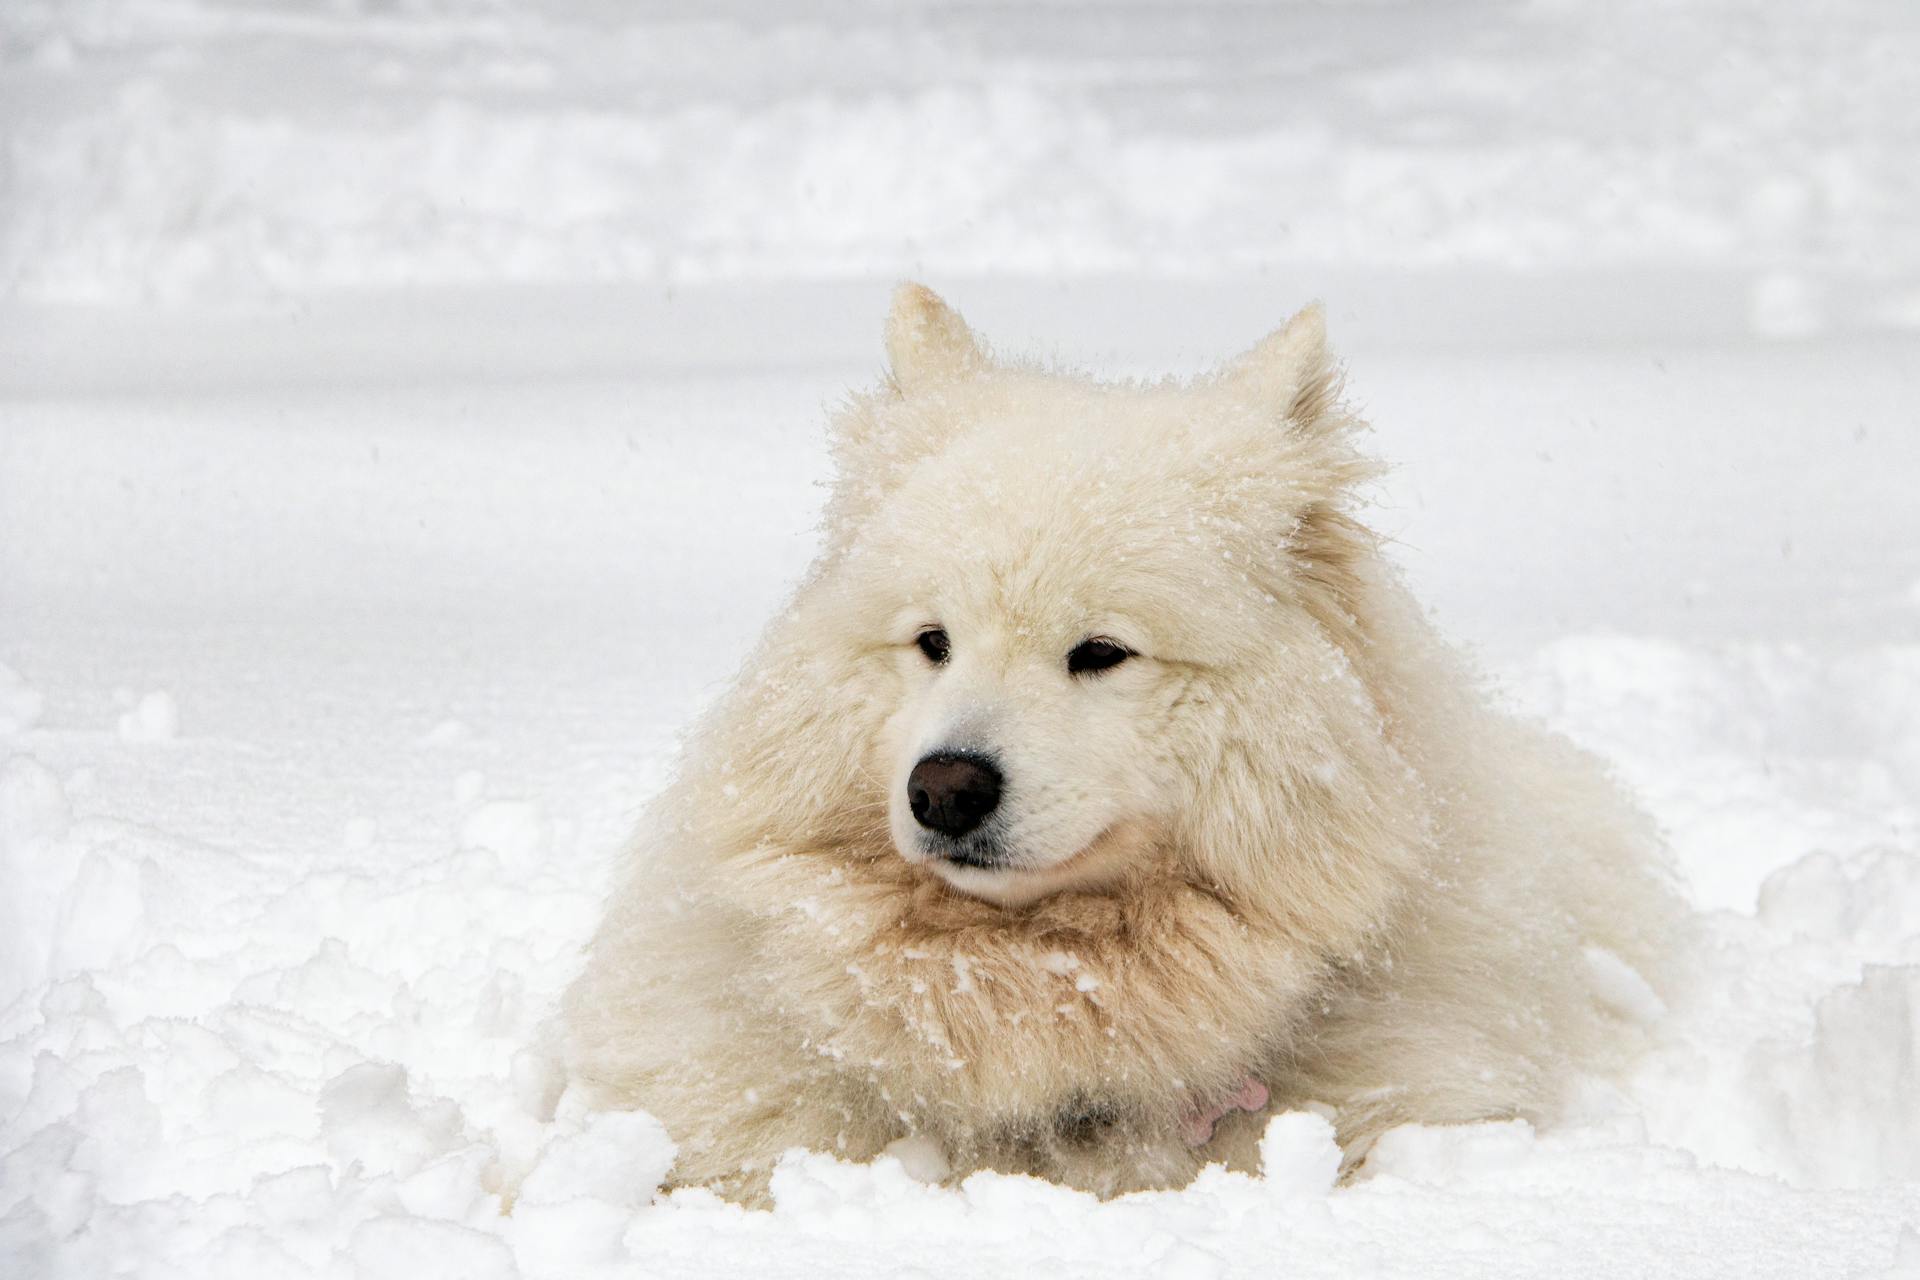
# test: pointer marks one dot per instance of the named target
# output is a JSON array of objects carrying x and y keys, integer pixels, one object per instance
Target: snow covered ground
[{"x": 408, "y": 414}]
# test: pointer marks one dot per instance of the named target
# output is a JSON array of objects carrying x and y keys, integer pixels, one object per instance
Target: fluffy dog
[{"x": 1100, "y": 792}]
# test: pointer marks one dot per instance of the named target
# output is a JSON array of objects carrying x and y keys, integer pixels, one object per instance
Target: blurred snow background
[
  {"x": 219, "y": 150},
  {"x": 407, "y": 417}
]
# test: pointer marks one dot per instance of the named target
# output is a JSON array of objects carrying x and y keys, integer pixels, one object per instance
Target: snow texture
[{"x": 407, "y": 418}]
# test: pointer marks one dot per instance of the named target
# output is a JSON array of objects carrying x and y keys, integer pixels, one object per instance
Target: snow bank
[
  {"x": 1750, "y": 754},
  {"x": 250, "y": 151}
]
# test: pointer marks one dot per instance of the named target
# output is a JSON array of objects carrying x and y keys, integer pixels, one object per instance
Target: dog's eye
[
  {"x": 1096, "y": 655},
  {"x": 934, "y": 644}
]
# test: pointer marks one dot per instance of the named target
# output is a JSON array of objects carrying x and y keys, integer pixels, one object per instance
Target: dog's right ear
[
  {"x": 1291, "y": 373},
  {"x": 927, "y": 341}
]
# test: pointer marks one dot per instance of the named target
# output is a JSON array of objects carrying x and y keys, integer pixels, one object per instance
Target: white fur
[{"x": 1286, "y": 840}]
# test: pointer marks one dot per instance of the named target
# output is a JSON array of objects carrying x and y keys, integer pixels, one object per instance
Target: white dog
[{"x": 1101, "y": 792}]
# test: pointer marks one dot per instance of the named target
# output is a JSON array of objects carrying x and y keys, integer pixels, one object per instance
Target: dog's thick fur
[{"x": 1286, "y": 840}]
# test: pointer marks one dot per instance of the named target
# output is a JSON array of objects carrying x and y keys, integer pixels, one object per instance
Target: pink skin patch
[{"x": 1199, "y": 1125}]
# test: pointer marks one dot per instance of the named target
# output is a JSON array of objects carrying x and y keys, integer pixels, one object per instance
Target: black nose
[{"x": 952, "y": 794}]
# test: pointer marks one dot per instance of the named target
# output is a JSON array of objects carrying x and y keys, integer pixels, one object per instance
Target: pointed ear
[
  {"x": 1289, "y": 370},
  {"x": 927, "y": 341}
]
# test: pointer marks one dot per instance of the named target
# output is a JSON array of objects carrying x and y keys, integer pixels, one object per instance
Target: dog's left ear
[
  {"x": 927, "y": 341},
  {"x": 1290, "y": 371},
  {"x": 877, "y": 438}
]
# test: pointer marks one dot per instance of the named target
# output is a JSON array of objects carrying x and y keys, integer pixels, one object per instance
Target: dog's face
[
  {"x": 1078, "y": 591},
  {"x": 1023, "y": 753}
]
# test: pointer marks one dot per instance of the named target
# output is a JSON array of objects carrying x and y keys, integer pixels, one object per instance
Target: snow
[
  {"x": 265, "y": 149},
  {"x": 409, "y": 413},
  {"x": 153, "y": 718}
]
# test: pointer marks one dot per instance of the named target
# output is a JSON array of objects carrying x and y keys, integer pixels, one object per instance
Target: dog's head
[{"x": 1105, "y": 624}]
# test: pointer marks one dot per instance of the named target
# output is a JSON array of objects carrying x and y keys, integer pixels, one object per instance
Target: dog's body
[{"x": 1102, "y": 779}]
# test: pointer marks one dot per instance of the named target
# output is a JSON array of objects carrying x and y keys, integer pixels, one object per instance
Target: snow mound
[
  {"x": 154, "y": 718},
  {"x": 1844, "y": 1103},
  {"x": 20, "y": 705},
  {"x": 618, "y": 1158}
]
